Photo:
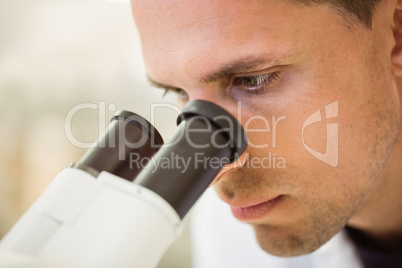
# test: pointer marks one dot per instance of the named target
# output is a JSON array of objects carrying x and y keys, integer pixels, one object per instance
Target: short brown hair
[{"x": 363, "y": 10}]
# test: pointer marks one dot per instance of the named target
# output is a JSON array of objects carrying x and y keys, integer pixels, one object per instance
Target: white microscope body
[
  {"x": 80, "y": 221},
  {"x": 103, "y": 213}
]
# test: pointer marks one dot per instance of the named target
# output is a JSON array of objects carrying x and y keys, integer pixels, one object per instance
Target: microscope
[{"x": 122, "y": 204}]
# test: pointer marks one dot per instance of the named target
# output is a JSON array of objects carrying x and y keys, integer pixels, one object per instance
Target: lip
[{"x": 257, "y": 211}]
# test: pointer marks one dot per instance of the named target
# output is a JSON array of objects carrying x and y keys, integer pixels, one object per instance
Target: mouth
[{"x": 257, "y": 211}]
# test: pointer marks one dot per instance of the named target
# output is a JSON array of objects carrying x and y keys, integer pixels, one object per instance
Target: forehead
[
  {"x": 199, "y": 34},
  {"x": 205, "y": 17}
]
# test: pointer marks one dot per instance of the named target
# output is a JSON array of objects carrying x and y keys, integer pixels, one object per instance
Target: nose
[
  {"x": 234, "y": 108},
  {"x": 238, "y": 164}
]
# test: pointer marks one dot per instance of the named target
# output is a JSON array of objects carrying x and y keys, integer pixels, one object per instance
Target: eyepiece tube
[
  {"x": 128, "y": 134},
  {"x": 208, "y": 137}
]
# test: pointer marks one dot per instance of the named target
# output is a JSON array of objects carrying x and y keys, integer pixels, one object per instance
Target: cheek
[
  {"x": 367, "y": 133},
  {"x": 369, "y": 120},
  {"x": 364, "y": 131},
  {"x": 290, "y": 134}
]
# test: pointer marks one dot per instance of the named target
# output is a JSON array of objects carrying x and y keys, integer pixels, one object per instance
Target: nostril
[{"x": 226, "y": 191}]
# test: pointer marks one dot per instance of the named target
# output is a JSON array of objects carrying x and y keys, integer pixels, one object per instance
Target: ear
[{"x": 397, "y": 50}]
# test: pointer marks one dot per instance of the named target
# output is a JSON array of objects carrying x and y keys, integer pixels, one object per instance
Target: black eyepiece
[
  {"x": 207, "y": 138},
  {"x": 128, "y": 134}
]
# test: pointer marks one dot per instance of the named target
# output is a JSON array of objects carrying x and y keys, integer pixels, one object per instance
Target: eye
[
  {"x": 256, "y": 83},
  {"x": 182, "y": 94}
]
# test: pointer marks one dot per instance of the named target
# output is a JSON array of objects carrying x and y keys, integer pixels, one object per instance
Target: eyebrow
[
  {"x": 156, "y": 84},
  {"x": 242, "y": 65}
]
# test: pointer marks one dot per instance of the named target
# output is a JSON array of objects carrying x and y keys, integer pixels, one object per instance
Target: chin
[{"x": 284, "y": 243}]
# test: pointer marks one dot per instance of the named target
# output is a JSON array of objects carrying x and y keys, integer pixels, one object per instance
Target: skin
[{"x": 317, "y": 57}]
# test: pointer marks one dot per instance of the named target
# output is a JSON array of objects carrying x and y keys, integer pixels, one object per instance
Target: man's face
[{"x": 283, "y": 60}]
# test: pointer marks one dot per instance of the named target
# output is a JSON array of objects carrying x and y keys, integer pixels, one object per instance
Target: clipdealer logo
[
  {"x": 272, "y": 160},
  {"x": 331, "y": 154}
]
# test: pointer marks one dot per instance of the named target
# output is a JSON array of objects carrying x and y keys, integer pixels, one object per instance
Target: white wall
[{"x": 55, "y": 54}]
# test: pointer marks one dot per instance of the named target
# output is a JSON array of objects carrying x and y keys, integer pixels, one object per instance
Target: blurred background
[{"x": 55, "y": 55}]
